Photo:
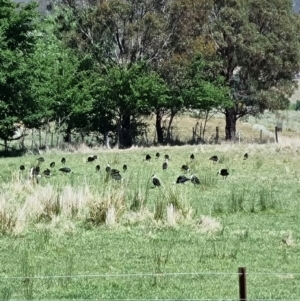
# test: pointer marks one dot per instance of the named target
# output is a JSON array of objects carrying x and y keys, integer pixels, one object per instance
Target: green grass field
[{"x": 85, "y": 224}]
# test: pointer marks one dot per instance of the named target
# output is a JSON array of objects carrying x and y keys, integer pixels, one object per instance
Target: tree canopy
[{"x": 101, "y": 67}]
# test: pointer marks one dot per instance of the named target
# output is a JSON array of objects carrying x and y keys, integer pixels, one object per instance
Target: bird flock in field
[{"x": 35, "y": 171}]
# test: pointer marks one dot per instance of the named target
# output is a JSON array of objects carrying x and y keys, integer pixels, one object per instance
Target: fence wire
[{"x": 153, "y": 275}]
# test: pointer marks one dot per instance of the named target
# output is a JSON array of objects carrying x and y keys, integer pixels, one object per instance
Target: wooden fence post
[
  {"x": 276, "y": 134},
  {"x": 217, "y": 134},
  {"x": 194, "y": 135},
  {"x": 260, "y": 136},
  {"x": 242, "y": 284},
  {"x": 200, "y": 132}
]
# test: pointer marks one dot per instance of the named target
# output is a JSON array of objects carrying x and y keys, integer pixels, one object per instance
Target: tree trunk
[
  {"x": 125, "y": 136},
  {"x": 169, "y": 126},
  {"x": 230, "y": 128},
  {"x": 5, "y": 146},
  {"x": 159, "y": 129},
  {"x": 67, "y": 136}
]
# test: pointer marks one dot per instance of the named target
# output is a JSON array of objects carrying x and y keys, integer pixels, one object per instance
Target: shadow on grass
[{"x": 12, "y": 153}]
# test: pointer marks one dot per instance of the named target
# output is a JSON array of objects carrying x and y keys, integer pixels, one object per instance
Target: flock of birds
[
  {"x": 35, "y": 171},
  {"x": 182, "y": 178}
]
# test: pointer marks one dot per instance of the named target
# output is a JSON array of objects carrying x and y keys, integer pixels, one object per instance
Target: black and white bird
[
  {"x": 63, "y": 161},
  {"x": 182, "y": 180},
  {"x": 195, "y": 180},
  {"x": 97, "y": 167},
  {"x": 224, "y": 173},
  {"x": 167, "y": 157},
  {"x": 108, "y": 169},
  {"x": 124, "y": 167},
  {"x": 34, "y": 172},
  {"x": 155, "y": 181},
  {"x": 246, "y": 156},
  {"x": 147, "y": 158},
  {"x": 215, "y": 159},
  {"x": 185, "y": 168},
  {"x": 22, "y": 167},
  {"x": 52, "y": 164},
  {"x": 192, "y": 157},
  {"x": 113, "y": 170},
  {"x": 65, "y": 170},
  {"x": 92, "y": 158},
  {"x": 157, "y": 155},
  {"x": 40, "y": 159},
  {"x": 165, "y": 165},
  {"x": 116, "y": 176},
  {"x": 47, "y": 172}
]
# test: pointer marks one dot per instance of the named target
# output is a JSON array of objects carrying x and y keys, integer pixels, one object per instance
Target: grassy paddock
[{"x": 88, "y": 224}]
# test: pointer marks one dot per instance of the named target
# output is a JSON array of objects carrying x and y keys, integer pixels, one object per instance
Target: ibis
[
  {"x": 215, "y": 159},
  {"x": 165, "y": 165},
  {"x": 195, "y": 180},
  {"x": 91, "y": 159},
  {"x": 182, "y": 180},
  {"x": 155, "y": 181},
  {"x": 65, "y": 170},
  {"x": 185, "y": 168},
  {"x": 224, "y": 173}
]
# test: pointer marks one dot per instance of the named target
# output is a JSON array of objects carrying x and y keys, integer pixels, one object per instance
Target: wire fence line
[{"x": 153, "y": 275}]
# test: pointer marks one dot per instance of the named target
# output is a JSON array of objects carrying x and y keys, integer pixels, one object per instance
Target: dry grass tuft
[
  {"x": 72, "y": 202},
  {"x": 209, "y": 225},
  {"x": 110, "y": 219},
  {"x": 7, "y": 217},
  {"x": 99, "y": 207},
  {"x": 171, "y": 215}
]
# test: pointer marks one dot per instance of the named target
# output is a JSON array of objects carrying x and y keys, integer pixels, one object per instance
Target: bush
[{"x": 297, "y": 105}]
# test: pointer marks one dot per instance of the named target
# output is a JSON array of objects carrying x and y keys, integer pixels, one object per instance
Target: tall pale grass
[
  {"x": 108, "y": 207},
  {"x": 22, "y": 204}
]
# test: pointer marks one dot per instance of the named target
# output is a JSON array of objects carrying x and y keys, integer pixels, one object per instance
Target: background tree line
[{"x": 102, "y": 66}]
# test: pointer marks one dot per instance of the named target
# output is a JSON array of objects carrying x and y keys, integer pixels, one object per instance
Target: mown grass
[{"x": 83, "y": 224}]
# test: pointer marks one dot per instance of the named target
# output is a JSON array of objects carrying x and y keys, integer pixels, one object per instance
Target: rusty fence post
[{"x": 242, "y": 284}]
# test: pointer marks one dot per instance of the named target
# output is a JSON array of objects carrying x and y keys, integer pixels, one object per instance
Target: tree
[
  {"x": 55, "y": 77},
  {"x": 18, "y": 23},
  {"x": 205, "y": 91},
  {"x": 154, "y": 96},
  {"x": 131, "y": 93},
  {"x": 258, "y": 44},
  {"x": 117, "y": 34}
]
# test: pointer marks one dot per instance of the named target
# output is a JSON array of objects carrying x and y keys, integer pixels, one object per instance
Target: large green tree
[
  {"x": 257, "y": 42},
  {"x": 57, "y": 84},
  {"x": 17, "y": 39},
  {"x": 118, "y": 34},
  {"x": 130, "y": 93}
]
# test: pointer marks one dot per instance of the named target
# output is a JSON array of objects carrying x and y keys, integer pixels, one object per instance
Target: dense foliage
[{"x": 100, "y": 67}]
